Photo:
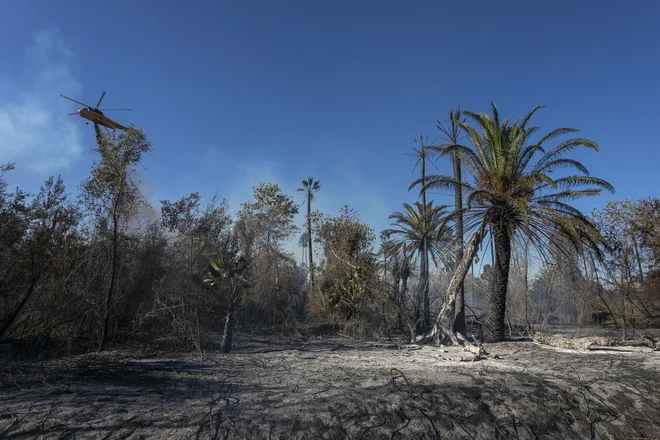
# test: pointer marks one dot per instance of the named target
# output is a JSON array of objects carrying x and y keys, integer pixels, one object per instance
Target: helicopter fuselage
[{"x": 97, "y": 117}]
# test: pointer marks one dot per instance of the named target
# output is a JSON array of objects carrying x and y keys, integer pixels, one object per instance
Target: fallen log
[
  {"x": 596, "y": 343},
  {"x": 624, "y": 349}
]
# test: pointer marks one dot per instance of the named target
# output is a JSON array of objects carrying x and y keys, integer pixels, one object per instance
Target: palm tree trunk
[
  {"x": 459, "y": 306},
  {"x": 424, "y": 279},
  {"x": 309, "y": 245},
  {"x": 495, "y": 315},
  {"x": 526, "y": 281},
  {"x": 424, "y": 261},
  {"x": 404, "y": 289},
  {"x": 404, "y": 286}
]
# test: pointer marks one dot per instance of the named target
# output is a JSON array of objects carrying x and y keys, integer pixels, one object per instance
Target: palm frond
[
  {"x": 579, "y": 180},
  {"x": 436, "y": 181},
  {"x": 563, "y": 148}
]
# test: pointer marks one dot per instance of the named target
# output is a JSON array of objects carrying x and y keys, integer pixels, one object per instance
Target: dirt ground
[{"x": 335, "y": 389}]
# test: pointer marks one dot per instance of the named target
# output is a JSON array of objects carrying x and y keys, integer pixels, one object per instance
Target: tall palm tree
[
  {"x": 419, "y": 229},
  {"x": 309, "y": 187},
  {"x": 452, "y": 131},
  {"x": 421, "y": 154},
  {"x": 512, "y": 191}
]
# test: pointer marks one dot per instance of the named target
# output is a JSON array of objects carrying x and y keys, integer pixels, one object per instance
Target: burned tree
[{"x": 112, "y": 195}]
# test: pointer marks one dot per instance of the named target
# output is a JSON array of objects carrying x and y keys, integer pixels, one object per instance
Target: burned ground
[{"x": 335, "y": 389}]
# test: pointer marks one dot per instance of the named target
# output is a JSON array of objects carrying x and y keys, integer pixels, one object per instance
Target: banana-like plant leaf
[{"x": 214, "y": 268}]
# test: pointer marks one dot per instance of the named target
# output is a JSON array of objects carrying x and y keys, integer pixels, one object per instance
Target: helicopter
[{"x": 95, "y": 115}]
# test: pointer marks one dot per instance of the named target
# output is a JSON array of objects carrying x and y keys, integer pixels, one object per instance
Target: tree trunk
[
  {"x": 404, "y": 287},
  {"x": 639, "y": 259},
  {"x": 424, "y": 260},
  {"x": 549, "y": 286},
  {"x": 113, "y": 267},
  {"x": 191, "y": 266},
  {"x": 309, "y": 247},
  {"x": 404, "y": 290},
  {"x": 526, "y": 281},
  {"x": 459, "y": 320},
  {"x": 443, "y": 329},
  {"x": 424, "y": 280},
  {"x": 397, "y": 296},
  {"x": 113, "y": 275},
  {"x": 228, "y": 332},
  {"x": 622, "y": 268},
  {"x": 494, "y": 324}
]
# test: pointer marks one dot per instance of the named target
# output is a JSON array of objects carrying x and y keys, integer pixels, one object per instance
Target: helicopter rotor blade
[
  {"x": 77, "y": 102},
  {"x": 100, "y": 99},
  {"x": 115, "y": 109}
]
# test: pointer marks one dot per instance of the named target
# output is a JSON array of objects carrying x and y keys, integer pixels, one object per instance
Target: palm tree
[
  {"x": 419, "y": 229},
  {"x": 512, "y": 192},
  {"x": 309, "y": 187},
  {"x": 421, "y": 154}
]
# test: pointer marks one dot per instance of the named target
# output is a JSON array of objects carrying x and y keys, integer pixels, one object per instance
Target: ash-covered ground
[{"x": 335, "y": 389}]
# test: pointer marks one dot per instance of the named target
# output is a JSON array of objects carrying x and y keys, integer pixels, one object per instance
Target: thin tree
[
  {"x": 112, "y": 196},
  {"x": 420, "y": 154},
  {"x": 452, "y": 131},
  {"x": 309, "y": 187},
  {"x": 513, "y": 192}
]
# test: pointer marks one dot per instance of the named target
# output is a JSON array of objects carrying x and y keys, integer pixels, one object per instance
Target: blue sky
[{"x": 233, "y": 93}]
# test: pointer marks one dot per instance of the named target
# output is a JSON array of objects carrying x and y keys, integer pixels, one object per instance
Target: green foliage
[
  {"x": 344, "y": 236},
  {"x": 417, "y": 224},
  {"x": 349, "y": 278},
  {"x": 512, "y": 183},
  {"x": 343, "y": 295},
  {"x": 226, "y": 267},
  {"x": 267, "y": 220}
]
